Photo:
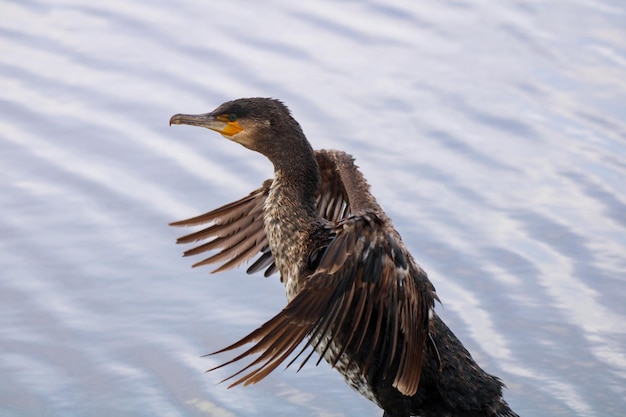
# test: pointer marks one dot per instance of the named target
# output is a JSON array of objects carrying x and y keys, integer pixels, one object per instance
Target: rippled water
[{"x": 493, "y": 133}]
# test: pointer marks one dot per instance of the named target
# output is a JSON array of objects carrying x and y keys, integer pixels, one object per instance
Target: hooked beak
[{"x": 220, "y": 123}]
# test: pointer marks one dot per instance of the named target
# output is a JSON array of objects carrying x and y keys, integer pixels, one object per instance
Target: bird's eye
[{"x": 232, "y": 117}]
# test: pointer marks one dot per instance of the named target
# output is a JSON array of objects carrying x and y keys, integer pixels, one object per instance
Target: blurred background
[{"x": 493, "y": 134}]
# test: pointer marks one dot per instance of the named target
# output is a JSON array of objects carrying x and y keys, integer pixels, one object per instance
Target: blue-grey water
[{"x": 493, "y": 133}]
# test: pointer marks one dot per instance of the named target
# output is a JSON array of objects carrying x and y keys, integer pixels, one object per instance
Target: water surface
[{"x": 494, "y": 134}]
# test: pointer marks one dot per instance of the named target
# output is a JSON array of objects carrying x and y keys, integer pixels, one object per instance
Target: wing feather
[
  {"x": 236, "y": 230},
  {"x": 345, "y": 305}
]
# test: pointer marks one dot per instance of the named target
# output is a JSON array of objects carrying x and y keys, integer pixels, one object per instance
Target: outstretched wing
[
  {"x": 236, "y": 229},
  {"x": 367, "y": 298}
]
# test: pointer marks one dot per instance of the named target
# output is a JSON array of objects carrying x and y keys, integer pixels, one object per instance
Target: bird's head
[{"x": 264, "y": 125}]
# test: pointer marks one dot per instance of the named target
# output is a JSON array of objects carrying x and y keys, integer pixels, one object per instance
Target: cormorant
[{"x": 355, "y": 293}]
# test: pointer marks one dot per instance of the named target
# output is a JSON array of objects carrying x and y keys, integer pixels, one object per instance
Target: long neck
[
  {"x": 296, "y": 177},
  {"x": 291, "y": 216},
  {"x": 296, "y": 187}
]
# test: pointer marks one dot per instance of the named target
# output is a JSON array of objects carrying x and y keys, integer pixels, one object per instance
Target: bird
[{"x": 355, "y": 294}]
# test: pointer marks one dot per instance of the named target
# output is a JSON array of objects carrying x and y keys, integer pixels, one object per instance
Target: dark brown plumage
[{"x": 356, "y": 296}]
